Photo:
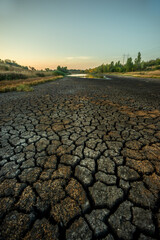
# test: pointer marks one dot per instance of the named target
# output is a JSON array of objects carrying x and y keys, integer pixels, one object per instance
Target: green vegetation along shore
[
  {"x": 137, "y": 68},
  {"x": 14, "y": 77}
]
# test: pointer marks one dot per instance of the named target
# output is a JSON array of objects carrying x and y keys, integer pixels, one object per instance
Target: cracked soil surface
[{"x": 80, "y": 159}]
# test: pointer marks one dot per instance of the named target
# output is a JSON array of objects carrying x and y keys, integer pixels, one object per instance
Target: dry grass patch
[
  {"x": 144, "y": 74},
  {"x": 24, "y": 84}
]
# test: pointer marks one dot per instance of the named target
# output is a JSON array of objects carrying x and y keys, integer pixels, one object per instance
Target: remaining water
[{"x": 81, "y": 75}]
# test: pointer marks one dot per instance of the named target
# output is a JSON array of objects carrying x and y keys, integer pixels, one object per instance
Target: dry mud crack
[{"x": 80, "y": 159}]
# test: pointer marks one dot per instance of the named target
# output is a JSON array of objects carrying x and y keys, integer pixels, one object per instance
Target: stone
[
  {"x": 62, "y": 172},
  {"x": 42, "y": 229},
  {"x": 51, "y": 162},
  {"x": 153, "y": 182},
  {"x": 75, "y": 190},
  {"x": 30, "y": 175},
  {"x": 15, "y": 225},
  {"x": 70, "y": 160},
  {"x": 65, "y": 210},
  {"x": 108, "y": 237},
  {"x": 6, "y": 205},
  {"x": 105, "y": 178},
  {"x": 136, "y": 145},
  {"x": 96, "y": 221},
  {"x": 144, "y": 237},
  {"x": 106, "y": 165},
  {"x": 139, "y": 194},
  {"x": 78, "y": 151},
  {"x": 19, "y": 157},
  {"x": 28, "y": 164},
  {"x": 79, "y": 230},
  {"x": 90, "y": 153},
  {"x": 6, "y": 152},
  {"x": 46, "y": 174},
  {"x": 29, "y": 148},
  {"x": 80, "y": 141},
  {"x": 134, "y": 154},
  {"x": 42, "y": 205},
  {"x": 10, "y": 170},
  {"x": 88, "y": 163},
  {"x": 144, "y": 166},
  {"x": 16, "y": 141},
  {"x": 119, "y": 160},
  {"x": 124, "y": 185},
  {"x": 51, "y": 149},
  {"x": 127, "y": 173},
  {"x": 50, "y": 190},
  {"x": 103, "y": 195},
  {"x": 10, "y": 187},
  {"x": 42, "y": 144},
  {"x": 33, "y": 139},
  {"x": 152, "y": 152},
  {"x": 91, "y": 143},
  {"x": 120, "y": 221},
  {"x": 27, "y": 200},
  {"x": 143, "y": 219},
  {"x": 41, "y": 161},
  {"x": 84, "y": 175}
]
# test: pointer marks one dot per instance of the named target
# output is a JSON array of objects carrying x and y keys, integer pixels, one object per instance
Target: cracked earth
[{"x": 80, "y": 159}]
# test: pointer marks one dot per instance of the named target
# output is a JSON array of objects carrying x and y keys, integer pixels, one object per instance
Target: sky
[{"x": 78, "y": 34}]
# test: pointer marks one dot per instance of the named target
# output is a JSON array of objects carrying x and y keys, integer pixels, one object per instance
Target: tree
[
  {"x": 32, "y": 68},
  {"x": 111, "y": 67},
  {"x": 129, "y": 65},
  {"x": 138, "y": 62},
  {"x": 62, "y": 69}
]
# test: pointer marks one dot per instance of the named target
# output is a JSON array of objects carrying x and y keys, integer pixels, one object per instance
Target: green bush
[
  {"x": 58, "y": 73},
  {"x": 40, "y": 74},
  {"x": 12, "y": 76},
  {"x": 24, "y": 88}
]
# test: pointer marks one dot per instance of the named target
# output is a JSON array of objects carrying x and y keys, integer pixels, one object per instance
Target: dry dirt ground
[{"x": 80, "y": 159}]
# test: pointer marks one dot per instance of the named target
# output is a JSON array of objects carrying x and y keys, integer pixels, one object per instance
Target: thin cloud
[{"x": 79, "y": 57}]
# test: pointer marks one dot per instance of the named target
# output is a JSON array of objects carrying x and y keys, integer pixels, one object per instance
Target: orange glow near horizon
[{"x": 81, "y": 64}]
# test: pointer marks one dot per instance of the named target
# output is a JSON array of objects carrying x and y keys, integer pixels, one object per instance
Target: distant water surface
[{"x": 81, "y": 75}]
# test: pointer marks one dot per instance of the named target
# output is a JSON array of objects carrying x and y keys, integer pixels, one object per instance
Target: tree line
[{"x": 129, "y": 66}]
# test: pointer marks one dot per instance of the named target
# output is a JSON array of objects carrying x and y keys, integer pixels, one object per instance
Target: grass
[
  {"x": 24, "y": 88},
  {"x": 141, "y": 74},
  {"x": 144, "y": 74},
  {"x": 24, "y": 84}
]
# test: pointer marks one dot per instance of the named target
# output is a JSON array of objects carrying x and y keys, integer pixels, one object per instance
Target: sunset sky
[{"x": 78, "y": 34}]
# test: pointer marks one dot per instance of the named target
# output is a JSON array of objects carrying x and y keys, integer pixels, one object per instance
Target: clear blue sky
[{"x": 78, "y": 34}]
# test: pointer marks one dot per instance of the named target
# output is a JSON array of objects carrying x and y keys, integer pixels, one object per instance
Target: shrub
[
  {"x": 58, "y": 73},
  {"x": 40, "y": 74},
  {"x": 12, "y": 76},
  {"x": 24, "y": 87}
]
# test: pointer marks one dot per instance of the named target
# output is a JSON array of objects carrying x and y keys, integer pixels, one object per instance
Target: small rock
[
  {"x": 88, "y": 163},
  {"x": 42, "y": 144},
  {"x": 127, "y": 173},
  {"x": 143, "y": 219},
  {"x": 65, "y": 210},
  {"x": 120, "y": 221},
  {"x": 105, "y": 195},
  {"x": 30, "y": 175},
  {"x": 141, "y": 195},
  {"x": 79, "y": 230},
  {"x": 106, "y": 165},
  {"x": 84, "y": 175},
  {"x": 76, "y": 191},
  {"x": 106, "y": 178},
  {"x": 42, "y": 229},
  {"x": 96, "y": 220}
]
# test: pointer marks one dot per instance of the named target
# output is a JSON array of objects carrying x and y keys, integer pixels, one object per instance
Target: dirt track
[{"x": 80, "y": 159}]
